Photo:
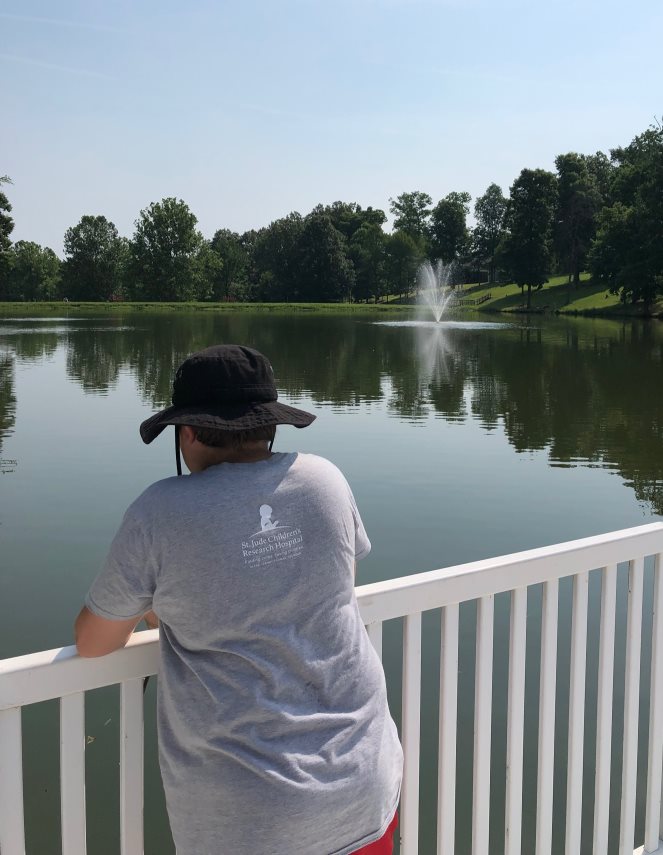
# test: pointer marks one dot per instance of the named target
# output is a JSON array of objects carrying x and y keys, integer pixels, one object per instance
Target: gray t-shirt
[{"x": 275, "y": 736}]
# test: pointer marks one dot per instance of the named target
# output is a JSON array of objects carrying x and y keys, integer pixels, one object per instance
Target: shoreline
[
  {"x": 45, "y": 309},
  {"x": 578, "y": 313}
]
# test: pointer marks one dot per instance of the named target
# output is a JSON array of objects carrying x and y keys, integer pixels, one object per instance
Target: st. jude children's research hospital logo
[{"x": 274, "y": 541}]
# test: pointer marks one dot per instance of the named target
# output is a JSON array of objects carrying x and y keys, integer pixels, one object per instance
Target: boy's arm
[{"x": 97, "y": 636}]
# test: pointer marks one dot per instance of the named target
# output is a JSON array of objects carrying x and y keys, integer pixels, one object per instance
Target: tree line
[{"x": 596, "y": 212}]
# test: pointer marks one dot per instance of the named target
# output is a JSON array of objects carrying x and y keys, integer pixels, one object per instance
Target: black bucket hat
[{"x": 227, "y": 387}]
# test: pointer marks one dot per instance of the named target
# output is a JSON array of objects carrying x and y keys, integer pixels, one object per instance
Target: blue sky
[{"x": 252, "y": 109}]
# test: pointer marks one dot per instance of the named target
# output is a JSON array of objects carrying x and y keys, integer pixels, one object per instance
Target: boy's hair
[{"x": 215, "y": 438}]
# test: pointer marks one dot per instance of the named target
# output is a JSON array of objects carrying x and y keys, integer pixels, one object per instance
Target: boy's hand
[{"x": 151, "y": 620}]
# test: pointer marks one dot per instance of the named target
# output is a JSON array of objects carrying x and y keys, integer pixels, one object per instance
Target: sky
[{"x": 250, "y": 110}]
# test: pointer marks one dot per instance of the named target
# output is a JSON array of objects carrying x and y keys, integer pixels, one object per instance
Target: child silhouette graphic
[{"x": 266, "y": 523}]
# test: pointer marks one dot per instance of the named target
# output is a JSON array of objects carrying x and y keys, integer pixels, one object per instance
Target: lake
[{"x": 460, "y": 441}]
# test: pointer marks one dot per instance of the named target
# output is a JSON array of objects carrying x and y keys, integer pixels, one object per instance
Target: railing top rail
[
  {"x": 55, "y": 673},
  {"x": 61, "y": 671},
  {"x": 436, "y": 588}
]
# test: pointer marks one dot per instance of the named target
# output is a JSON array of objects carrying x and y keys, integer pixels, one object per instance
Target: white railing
[{"x": 61, "y": 674}]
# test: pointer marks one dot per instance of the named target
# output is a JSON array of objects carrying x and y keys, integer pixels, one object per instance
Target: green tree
[
  {"x": 403, "y": 258},
  {"x": 209, "y": 271},
  {"x": 412, "y": 216},
  {"x": 449, "y": 236},
  {"x": 275, "y": 257},
  {"x": 34, "y": 272},
  {"x": 234, "y": 259},
  {"x": 348, "y": 217},
  {"x": 248, "y": 290},
  {"x": 368, "y": 251},
  {"x": 601, "y": 170},
  {"x": 95, "y": 260},
  {"x": 169, "y": 256},
  {"x": 6, "y": 228},
  {"x": 489, "y": 211},
  {"x": 324, "y": 271},
  {"x": 577, "y": 208},
  {"x": 526, "y": 249},
  {"x": 627, "y": 252}
]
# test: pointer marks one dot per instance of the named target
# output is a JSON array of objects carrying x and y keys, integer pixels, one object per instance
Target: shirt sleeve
[
  {"x": 362, "y": 543},
  {"x": 125, "y": 586}
]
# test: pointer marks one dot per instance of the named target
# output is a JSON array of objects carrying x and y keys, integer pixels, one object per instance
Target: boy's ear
[{"x": 187, "y": 433}]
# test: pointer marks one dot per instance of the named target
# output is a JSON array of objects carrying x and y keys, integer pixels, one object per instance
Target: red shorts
[{"x": 383, "y": 846}]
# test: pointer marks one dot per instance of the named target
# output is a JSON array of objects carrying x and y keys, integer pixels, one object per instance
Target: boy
[{"x": 274, "y": 733}]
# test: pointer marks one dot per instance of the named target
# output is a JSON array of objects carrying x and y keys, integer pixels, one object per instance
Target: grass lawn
[
  {"x": 557, "y": 296},
  {"x": 58, "y": 309}
]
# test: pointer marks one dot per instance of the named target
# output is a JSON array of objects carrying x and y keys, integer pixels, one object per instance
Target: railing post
[
  {"x": 374, "y": 631},
  {"x": 515, "y": 723},
  {"x": 72, "y": 773},
  {"x": 131, "y": 767},
  {"x": 631, "y": 705},
  {"x": 448, "y": 719},
  {"x": 483, "y": 701},
  {"x": 547, "y": 686},
  {"x": 410, "y": 733},
  {"x": 576, "y": 713},
  {"x": 654, "y": 813},
  {"x": 12, "y": 833},
  {"x": 604, "y": 709}
]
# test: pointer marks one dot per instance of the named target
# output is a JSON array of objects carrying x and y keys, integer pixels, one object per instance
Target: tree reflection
[
  {"x": 585, "y": 399},
  {"x": 94, "y": 359},
  {"x": 585, "y": 392},
  {"x": 7, "y": 398},
  {"x": 32, "y": 346}
]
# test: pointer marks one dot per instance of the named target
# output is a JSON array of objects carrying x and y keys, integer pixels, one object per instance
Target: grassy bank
[
  {"x": 59, "y": 309},
  {"x": 557, "y": 296}
]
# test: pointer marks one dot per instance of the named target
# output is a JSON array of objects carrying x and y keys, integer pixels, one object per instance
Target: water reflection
[
  {"x": 30, "y": 347},
  {"x": 7, "y": 402},
  {"x": 584, "y": 391}
]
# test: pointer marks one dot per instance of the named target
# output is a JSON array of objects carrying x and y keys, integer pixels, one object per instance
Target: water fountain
[
  {"x": 438, "y": 286},
  {"x": 435, "y": 287}
]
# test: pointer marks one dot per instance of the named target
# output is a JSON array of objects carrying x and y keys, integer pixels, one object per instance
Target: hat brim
[{"x": 229, "y": 417}]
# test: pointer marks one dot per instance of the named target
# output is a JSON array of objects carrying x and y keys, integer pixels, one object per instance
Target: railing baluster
[
  {"x": 12, "y": 833},
  {"x": 631, "y": 704},
  {"x": 446, "y": 767},
  {"x": 131, "y": 767},
  {"x": 483, "y": 699},
  {"x": 547, "y": 683},
  {"x": 410, "y": 733},
  {"x": 515, "y": 723},
  {"x": 375, "y": 634},
  {"x": 72, "y": 773},
  {"x": 576, "y": 713},
  {"x": 604, "y": 710},
  {"x": 652, "y": 819}
]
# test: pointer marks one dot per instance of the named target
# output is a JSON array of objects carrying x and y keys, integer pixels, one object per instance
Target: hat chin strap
[{"x": 178, "y": 462}]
